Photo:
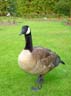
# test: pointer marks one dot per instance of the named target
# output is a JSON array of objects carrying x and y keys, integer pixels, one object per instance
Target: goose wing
[{"x": 45, "y": 56}]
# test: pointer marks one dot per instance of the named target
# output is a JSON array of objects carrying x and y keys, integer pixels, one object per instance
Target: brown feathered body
[{"x": 39, "y": 61}]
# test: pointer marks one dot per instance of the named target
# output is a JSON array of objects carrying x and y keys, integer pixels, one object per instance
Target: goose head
[{"x": 25, "y": 30}]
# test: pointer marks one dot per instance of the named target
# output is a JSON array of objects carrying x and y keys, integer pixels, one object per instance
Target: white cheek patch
[{"x": 28, "y": 31}]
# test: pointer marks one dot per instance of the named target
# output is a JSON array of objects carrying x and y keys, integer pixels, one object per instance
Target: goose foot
[{"x": 39, "y": 83}]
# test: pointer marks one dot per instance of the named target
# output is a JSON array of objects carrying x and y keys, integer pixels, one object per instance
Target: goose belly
[
  {"x": 39, "y": 68},
  {"x": 28, "y": 64}
]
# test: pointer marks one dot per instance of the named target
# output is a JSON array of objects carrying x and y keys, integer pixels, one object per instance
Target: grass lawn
[{"x": 50, "y": 34}]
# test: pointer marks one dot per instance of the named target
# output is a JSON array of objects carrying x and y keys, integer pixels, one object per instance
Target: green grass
[{"x": 53, "y": 35}]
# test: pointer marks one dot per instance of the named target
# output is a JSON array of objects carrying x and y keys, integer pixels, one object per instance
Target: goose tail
[{"x": 62, "y": 62}]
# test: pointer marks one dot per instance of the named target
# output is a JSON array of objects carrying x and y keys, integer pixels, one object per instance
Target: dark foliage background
[{"x": 36, "y": 8}]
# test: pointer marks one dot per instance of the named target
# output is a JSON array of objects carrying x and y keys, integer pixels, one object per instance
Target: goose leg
[{"x": 39, "y": 83}]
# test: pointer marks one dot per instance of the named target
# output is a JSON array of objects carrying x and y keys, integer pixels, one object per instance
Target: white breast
[
  {"x": 29, "y": 64},
  {"x": 25, "y": 60}
]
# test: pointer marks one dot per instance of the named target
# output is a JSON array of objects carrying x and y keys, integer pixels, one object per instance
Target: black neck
[{"x": 28, "y": 39}]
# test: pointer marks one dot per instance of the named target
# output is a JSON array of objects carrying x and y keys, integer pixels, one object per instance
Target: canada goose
[{"x": 36, "y": 60}]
